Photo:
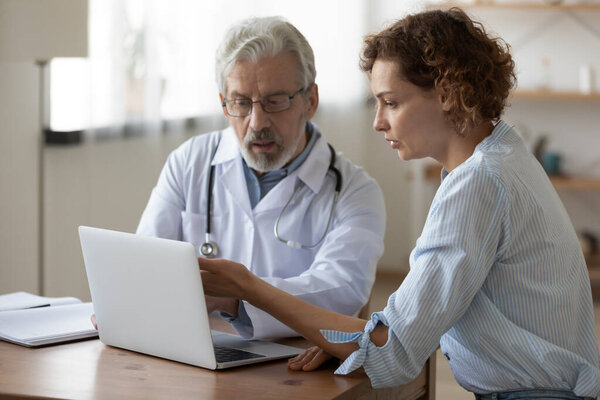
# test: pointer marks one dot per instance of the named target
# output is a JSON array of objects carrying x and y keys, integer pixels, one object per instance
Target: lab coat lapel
[
  {"x": 311, "y": 173},
  {"x": 229, "y": 161},
  {"x": 278, "y": 196}
]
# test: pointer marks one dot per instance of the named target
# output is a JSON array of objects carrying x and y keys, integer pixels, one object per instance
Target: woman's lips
[{"x": 394, "y": 144}]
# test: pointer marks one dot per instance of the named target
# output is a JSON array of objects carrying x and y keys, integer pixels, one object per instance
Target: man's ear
[
  {"x": 312, "y": 100},
  {"x": 221, "y": 103}
]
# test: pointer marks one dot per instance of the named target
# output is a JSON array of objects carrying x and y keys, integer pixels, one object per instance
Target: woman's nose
[{"x": 379, "y": 123}]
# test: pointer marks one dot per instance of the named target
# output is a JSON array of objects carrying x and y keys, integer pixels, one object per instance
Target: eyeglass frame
[{"x": 290, "y": 98}]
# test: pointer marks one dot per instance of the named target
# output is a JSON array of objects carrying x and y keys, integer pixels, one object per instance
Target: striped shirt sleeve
[{"x": 449, "y": 264}]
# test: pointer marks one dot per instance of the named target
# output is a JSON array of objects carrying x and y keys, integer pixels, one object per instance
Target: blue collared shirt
[
  {"x": 258, "y": 187},
  {"x": 497, "y": 278}
]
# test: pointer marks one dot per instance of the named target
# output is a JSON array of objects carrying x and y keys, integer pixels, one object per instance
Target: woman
[{"x": 497, "y": 277}]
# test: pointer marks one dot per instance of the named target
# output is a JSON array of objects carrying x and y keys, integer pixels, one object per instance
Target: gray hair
[{"x": 254, "y": 39}]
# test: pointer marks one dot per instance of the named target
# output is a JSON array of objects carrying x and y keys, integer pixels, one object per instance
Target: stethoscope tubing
[
  {"x": 209, "y": 249},
  {"x": 336, "y": 195}
]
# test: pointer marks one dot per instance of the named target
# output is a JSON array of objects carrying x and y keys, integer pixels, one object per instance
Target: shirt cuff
[
  {"x": 358, "y": 358},
  {"x": 376, "y": 361},
  {"x": 242, "y": 323}
]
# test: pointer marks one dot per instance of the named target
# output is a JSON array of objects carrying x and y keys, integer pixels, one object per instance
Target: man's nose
[{"x": 259, "y": 119}]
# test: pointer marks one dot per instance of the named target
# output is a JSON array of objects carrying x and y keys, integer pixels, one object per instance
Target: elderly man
[{"x": 268, "y": 191}]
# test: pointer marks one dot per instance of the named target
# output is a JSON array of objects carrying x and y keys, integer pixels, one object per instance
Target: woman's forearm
[
  {"x": 308, "y": 319},
  {"x": 224, "y": 278}
]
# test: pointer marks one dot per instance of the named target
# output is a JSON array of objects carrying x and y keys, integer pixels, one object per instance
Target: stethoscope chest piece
[{"x": 209, "y": 249}]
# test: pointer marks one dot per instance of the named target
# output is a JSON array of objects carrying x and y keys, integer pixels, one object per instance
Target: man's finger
[{"x": 206, "y": 264}]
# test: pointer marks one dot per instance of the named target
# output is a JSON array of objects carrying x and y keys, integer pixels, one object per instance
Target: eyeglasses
[{"x": 275, "y": 103}]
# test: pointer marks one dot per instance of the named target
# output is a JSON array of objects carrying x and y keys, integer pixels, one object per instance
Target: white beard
[{"x": 265, "y": 162}]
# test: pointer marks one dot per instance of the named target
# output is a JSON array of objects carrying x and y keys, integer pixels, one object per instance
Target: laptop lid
[{"x": 148, "y": 297}]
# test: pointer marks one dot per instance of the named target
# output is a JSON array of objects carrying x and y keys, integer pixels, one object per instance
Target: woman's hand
[
  {"x": 224, "y": 278},
  {"x": 93, "y": 319},
  {"x": 310, "y": 360}
]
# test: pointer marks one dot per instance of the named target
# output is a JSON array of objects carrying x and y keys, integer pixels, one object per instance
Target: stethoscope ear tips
[{"x": 209, "y": 249}]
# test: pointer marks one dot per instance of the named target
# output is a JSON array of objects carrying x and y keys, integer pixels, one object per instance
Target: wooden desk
[{"x": 90, "y": 369}]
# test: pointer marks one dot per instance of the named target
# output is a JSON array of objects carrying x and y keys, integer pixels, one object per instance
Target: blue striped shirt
[{"x": 497, "y": 278}]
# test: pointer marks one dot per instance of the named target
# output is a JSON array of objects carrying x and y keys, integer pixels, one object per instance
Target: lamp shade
[{"x": 43, "y": 29}]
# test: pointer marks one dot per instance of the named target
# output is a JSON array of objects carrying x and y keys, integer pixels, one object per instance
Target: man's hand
[
  {"x": 310, "y": 360},
  {"x": 223, "y": 304},
  {"x": 224, "y": 278}
]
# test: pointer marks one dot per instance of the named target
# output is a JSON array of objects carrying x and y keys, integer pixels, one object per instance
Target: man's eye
[
  {"x": 242, "y": 103},
  {"x": 275, "y": 101}
]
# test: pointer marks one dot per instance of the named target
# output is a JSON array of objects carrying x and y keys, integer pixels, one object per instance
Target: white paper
[
  {"x": 37, "y": 326},
  {"x": 22, "y": 300}
]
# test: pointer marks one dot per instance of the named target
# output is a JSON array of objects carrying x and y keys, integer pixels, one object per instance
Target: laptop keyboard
[{"x": 225, "y": 354}]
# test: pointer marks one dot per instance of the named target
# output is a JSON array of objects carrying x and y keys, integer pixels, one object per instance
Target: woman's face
[{"x": 411, "y": 118}]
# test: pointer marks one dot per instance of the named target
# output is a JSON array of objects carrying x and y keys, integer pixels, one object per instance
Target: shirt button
[{"x": 447, "y": 356}]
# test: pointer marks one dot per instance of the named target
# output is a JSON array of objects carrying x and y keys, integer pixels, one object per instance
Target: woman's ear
[{"x": 444, "y": 96}]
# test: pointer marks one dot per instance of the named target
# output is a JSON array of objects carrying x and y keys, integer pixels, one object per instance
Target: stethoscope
[{"x": 209, "y": 249}]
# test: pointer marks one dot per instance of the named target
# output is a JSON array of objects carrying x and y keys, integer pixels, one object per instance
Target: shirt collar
[
  {"x": 314, "y": 135},
  {"x": 311, "y": 170},
  {"x": 498, "y": 133},
  {"x": 500, "y": 129}
]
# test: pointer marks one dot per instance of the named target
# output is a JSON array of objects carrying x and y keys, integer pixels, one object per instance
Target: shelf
[
  {"x": 561, "y": 182},
  {"x": 517, "y": 6},
  {"x": 552, "y": 95},
  {"x": 432, "y": 173},
  {"x": 594, "y": 272}
]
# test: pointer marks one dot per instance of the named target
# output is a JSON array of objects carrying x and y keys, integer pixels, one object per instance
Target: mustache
[{"x": 263, "y": 134}]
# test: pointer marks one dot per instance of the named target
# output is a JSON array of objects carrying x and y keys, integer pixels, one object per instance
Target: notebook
[
  {"x": 148, "y": 297},
  {"x": 30, "y": 320}
]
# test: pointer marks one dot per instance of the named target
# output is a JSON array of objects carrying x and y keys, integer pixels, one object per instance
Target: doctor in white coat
[{"x": 322, "y": 252}]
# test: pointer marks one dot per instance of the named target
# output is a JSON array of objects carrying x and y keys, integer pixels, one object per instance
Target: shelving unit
[
  {"x": 574, "y": 183},
  {"x": 570, "y": 10},
  {"x": 517, "y": 5},
  {"x": 433, "y": 171},
  {"x": 594, "y": 271},
  {"x": 553, "y": 95}
]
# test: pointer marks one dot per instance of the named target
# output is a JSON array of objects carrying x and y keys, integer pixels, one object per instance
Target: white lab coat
[{"x": 336, "y": 275}]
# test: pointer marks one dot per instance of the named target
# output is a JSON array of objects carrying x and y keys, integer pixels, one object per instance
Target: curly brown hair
[{"x": 448, "y": 50}]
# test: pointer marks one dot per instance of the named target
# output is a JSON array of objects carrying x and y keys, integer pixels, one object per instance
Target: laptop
[{"x": 148, "y": 297}]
